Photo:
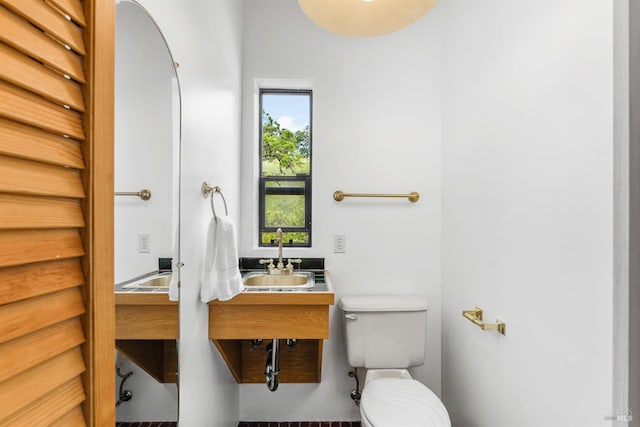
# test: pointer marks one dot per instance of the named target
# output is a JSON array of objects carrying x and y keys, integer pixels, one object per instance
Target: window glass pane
[
  {"x": 295, "y": 238},
  {"x": 284, "y": 185},
  {"x": 284, "y": 210},
  {"x": 285, "y": 166},
  {"x": 286, "y": 121}
]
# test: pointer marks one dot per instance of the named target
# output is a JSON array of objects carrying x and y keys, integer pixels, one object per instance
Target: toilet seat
[{"x": 396, "y": 402}]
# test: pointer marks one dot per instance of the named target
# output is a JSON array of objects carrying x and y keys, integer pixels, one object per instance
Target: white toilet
[{"x": 386, "y": 335}]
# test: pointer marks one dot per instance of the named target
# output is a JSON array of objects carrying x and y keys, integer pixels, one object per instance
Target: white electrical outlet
[
  {"x": 144, "y": 246},
  {"x": 339, "y": 243}
]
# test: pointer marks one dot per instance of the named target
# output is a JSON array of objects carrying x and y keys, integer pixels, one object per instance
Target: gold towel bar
[
  {"x": 340, "y": 195},
  {"x": 144, "y": 194},
  {"x": 475, "y": 316}
]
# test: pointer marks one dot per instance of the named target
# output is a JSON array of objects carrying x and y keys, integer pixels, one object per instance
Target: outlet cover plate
[{"x": 339, "y": 243}]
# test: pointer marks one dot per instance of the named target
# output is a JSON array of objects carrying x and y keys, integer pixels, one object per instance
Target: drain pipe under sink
[{"x": 272, "y": 370}]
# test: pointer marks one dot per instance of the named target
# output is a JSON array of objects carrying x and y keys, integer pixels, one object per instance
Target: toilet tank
[{"x": 384, "y": 331}]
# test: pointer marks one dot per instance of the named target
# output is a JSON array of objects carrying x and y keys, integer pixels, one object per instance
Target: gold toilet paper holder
[{"x": 475, "y": 316}]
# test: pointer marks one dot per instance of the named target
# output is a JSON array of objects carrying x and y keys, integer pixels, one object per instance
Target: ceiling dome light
[{"x": 365, "y": 18}]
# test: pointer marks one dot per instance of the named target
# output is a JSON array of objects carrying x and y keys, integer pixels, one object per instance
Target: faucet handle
[
  {"x": 291, "y": 262},
  {"x": 267, "y": 261}
]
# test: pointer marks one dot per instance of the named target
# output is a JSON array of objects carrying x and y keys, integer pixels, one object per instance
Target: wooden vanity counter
[
  {"x": 271, "y": 315},
  {"x": 146, "y": 315},
  {"x": 147, "y": 328}
]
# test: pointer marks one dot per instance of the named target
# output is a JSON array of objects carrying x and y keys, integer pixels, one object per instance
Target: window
[{"x": 285, "y": 166}]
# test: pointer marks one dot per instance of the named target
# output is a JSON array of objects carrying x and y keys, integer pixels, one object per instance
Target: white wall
[
  {"x": 527, "y": 211},
  {"x": 634, "y": 203},
  {"x": 622, "y": 341},
  {"x": 377, "y": 121},
  {"x": 206, "y": 40}
]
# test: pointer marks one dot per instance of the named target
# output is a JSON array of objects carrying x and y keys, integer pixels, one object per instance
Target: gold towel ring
[{"x": 208, "y": 190}]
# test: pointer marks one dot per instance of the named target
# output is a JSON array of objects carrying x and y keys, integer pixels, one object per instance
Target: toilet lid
[{"x": 402, "y": 403}]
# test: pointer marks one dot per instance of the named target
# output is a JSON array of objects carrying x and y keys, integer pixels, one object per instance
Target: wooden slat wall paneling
[
  {"x": 29, "y": 143},
  {"x": 73, "y": 418},
  {"x": 46, "y": 411},
  {"x": 31, "y": 280},
  {"x": 32, "y": 75},
  {"x": 22, "y": 36},
  {"x": 31, "y": 109},
  {"x": 23, "y": 389},
  {"x": 42, "y": 212},
  {"x": 25, "y": 247},
  {"x": 27, "y": 177},
  {"x": 28, "y": 316},
  {"x": 23, "y": 353},
  {"x": 72, "y": 8},
  {"x": 56, "y": 213},
  {"x": 49, "y": 20}
]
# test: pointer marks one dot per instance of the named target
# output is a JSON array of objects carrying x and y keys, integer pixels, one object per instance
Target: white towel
[{"x": 221, "y": 276}]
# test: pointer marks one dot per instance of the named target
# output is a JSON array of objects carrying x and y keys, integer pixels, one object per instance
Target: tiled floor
[
  {"x": 148, "y": 424},
  {"x": 300, "y": 424},
  {"x": 253, "y": 424}
]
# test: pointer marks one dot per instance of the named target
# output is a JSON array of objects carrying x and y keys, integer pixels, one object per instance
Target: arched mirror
[{"x": 147, "y": 199}]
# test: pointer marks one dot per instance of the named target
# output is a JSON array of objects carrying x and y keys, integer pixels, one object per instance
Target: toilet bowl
[
  {"x": 387, "y": 334},
  {"x": 392, "y": 398}
]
